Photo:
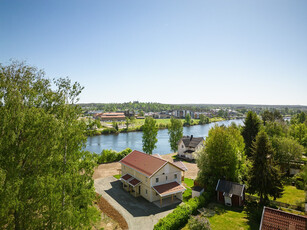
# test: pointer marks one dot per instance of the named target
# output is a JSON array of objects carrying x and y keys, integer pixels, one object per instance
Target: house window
[
  {"x": 157, "y": 180},
  {"x": 166, "y": 177},
  {"x": 175, "y": 175}
]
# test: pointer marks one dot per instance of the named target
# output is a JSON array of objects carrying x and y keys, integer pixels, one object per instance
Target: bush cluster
[
  {"x": 109, "y": 155},
  {"x": 180, "y": 216}
]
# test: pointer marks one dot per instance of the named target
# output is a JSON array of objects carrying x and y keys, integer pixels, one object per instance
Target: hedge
[
  {"x": 109, "y": 155},
  {"x": 180, "y": 216}
]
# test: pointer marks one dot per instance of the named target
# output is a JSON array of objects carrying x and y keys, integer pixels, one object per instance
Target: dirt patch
[
  {"x": 192, "y": 167},
  {"x": 106, "y": 170},
  {"x": 108, "y": 209}
]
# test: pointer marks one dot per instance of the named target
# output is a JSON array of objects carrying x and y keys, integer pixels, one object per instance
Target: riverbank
[
  {"x": 136, "y": 126},
  {"x": 133, "y": 140}
]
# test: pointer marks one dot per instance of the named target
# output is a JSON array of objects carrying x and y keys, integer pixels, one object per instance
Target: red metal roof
[
  {"x": 126, "y": 177},
  {"x": 274, "y": 219},
  {"x": 143, "y": 162},
  {"x": 179, "y": 164},
  {"x": 170, "y": 188},
  {"x": 134, "y": 182}
]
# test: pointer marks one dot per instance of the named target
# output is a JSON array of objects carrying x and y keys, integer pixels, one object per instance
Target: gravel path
[{"x": 138, "y": 212}]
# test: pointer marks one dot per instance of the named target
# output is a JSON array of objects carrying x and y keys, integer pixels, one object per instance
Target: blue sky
[{"x": 232, "y": 52}]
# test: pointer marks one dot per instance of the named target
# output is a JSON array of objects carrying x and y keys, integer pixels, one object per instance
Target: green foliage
[
  {"x": 268, "y": 116},
  {"x": 175, "y": 132},
  {"x": 188, "y": 120},
  {"x": 187, "y": 195},
  {"x": 199, "y": 223},
  {"x": 265, "y": 178},
  {"x": 150, "y": 131},
  {"x": 222, "y": 157},
  {"x": 108, "y": 131},
  {"x": 250, "y": 130},
  {"x": 299, "y": 133},
  {"x": 109, "y": 155},
  {"x": 45, "y": 176},
  {"x": 180, "y": 216},
  {"x": 276, "y": 128},
  {"x": 286, "y": 150},
  {"x": 203, "y": 119}
]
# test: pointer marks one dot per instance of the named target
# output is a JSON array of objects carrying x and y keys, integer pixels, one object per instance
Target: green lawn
[
  {"x": 189, "y": 182},
  {"x": 118, "y": 176},
  {"x": 231, "y": 218},
  {"x": 291, "y": 195}
]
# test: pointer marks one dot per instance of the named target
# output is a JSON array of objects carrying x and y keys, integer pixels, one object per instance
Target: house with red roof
[
  {"x": 274, "y": 219},
  {"x": 153, "y": 178}
]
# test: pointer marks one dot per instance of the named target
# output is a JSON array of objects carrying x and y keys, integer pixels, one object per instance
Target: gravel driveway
[{"x": 138, "y": 212}]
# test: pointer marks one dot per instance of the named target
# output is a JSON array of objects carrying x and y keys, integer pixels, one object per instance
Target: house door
[
  {"x": 227, "y": 200},
  {"x": 140, "y": 189}
]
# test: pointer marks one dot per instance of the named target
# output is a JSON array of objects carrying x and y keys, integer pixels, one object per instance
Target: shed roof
[
  {"x": 274, "y": 219},
  {"x": 229, "y": 187}
]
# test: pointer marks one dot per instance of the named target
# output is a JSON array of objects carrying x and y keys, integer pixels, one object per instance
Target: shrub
[
  {"x": 109, "y": 131},
  {"x": 109, "y": 155},
  {"x": 180, "y": 216},
  {"x": 199, "y": 223}
]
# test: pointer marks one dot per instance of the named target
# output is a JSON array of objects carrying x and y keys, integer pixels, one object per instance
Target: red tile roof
[
  {"x": 143, "y": 162},
  {"x": 130, "y": 179},
  {"x": 273, "y": 219},
  {"x": 170, "y": 188}
]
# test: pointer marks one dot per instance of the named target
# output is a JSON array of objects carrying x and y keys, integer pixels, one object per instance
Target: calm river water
[{"x": 133, "y": 140}]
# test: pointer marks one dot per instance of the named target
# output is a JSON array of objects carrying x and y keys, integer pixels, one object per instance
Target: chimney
[{"x": 191, "y": 137}]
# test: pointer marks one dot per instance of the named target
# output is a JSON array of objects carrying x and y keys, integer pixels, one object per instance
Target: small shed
[
  {"x": 197, "y": 191},
  {"x": 230, "y": 193}
]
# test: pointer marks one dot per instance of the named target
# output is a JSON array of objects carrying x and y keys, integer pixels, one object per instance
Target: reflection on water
[{"x": 133, "y": 140}]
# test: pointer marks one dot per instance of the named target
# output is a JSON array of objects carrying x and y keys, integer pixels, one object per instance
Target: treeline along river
[{"x": 133, "y": 140}]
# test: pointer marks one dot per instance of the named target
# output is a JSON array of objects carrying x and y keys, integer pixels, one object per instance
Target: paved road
[{"x": 138, "y": 212}]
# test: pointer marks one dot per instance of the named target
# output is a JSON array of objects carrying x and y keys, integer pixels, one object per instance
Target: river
[{"x": 133, "y": 140}]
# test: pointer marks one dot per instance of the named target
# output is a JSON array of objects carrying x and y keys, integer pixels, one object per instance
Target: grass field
[
  {"x": 229, "y": 218},
  {"x": 232, "y": 218},
  {"x": 291, "y": 195}
]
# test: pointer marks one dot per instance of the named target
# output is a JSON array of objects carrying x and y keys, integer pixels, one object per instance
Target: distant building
[
  {"x": 274, "y": 219},
  {"x": 111, "y": 116},
  {"x": 230, "y": 193},
  {"x": 188, "y": 145}
]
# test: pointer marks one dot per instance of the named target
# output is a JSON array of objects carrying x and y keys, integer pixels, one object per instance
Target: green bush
[
  {"x": 109, "y": 155},
  {"x": 180, "y": 216},
  {"x": 199, "y": 223},
  {"x": 299, "y": 181},
  {"x": 109, "y": 131}
]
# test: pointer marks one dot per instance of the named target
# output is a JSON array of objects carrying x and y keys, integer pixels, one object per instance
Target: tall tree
[
  {"x": 250, "y": 130},
  {"x": 221, "y": 157},
  {"x": 150, "y": 131},
  {"x": 175, "y": 132},
  {"x": 46, "y": 176},
  {"x": 188, "y": 119},
  {"x": 265, "y": 178},
  {"x": 203, "y": 119}
]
